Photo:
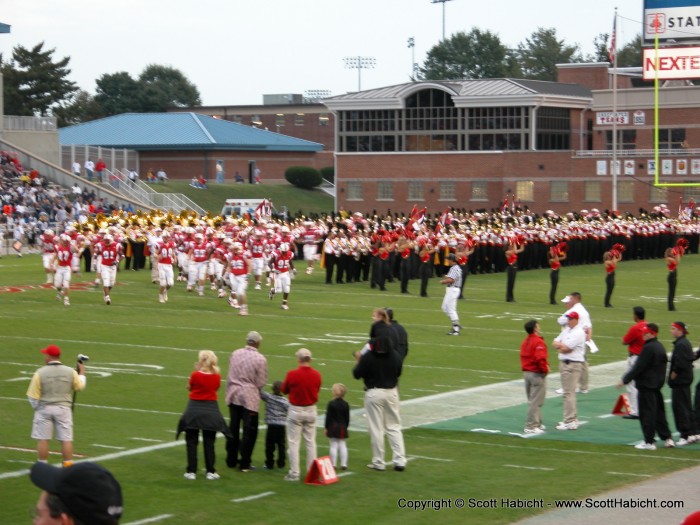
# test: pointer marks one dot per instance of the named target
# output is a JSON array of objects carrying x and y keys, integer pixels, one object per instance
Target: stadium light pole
[
  {"x": 360, "y": 63},
  {"x": 412, "y": 45},
  {"x": 443, "y": 14}
]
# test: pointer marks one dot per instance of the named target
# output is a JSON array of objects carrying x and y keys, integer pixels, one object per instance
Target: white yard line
[
  {"x": 154, "y": 519},
  {"x": 253, "y": 497}
]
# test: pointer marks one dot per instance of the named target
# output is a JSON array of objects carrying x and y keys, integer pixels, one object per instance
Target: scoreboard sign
[{"x": 672, "y": 19}]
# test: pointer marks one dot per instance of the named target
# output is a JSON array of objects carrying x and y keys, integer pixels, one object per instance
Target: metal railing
[
  {"x": 687, "y": 152},
  {"x": 143, "y": 192},
  {"x": 16, "y": 123}
]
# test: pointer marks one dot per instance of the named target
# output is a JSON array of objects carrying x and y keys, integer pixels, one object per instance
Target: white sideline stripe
[
  {"x": 254, "y": 497},
  {"x": 431, "y": 459},
  {"x": 106, "y": 457},
  {"x": 150, "y": 520},
  {"x": 108, "y": 446},
  {"x": 528, "y": 468},
  {"x": 147, "y": 439},
  {"x": 630, "y": 474},
  {"x": 343, "y": 474}
]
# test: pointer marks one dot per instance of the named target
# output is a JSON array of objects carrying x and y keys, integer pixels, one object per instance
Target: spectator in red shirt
[
  {"x": 533, "y": 358},
  {"x": 203, "y": 414},
  {"x": 302, "y": 384},
  {"x": 634, "y": 340}
]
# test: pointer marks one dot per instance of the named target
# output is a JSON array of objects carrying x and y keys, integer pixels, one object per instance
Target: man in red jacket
[
  {"x": 302, "y": 384},
  {"x": 533, "y": 358}
]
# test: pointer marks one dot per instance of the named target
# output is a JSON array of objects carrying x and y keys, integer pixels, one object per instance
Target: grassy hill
[{"x": 297, "y": 201}]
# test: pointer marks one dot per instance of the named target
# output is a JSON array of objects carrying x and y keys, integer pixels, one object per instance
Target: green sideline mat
[{"x": 597, "y": 424}]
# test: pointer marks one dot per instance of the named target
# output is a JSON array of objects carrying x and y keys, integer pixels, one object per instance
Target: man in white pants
[{"x": 453, "y": 282}]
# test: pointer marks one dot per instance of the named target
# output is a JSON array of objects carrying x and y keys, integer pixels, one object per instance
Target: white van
[{"x": 238, "y": 207}]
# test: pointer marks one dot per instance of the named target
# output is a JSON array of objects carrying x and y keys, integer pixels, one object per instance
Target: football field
[{"x": 462, "y": 397}]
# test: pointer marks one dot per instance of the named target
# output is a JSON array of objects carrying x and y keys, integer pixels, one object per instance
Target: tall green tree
[
  {"x": 473, "y": 55},
  {"x": 82, "y": 107},
  {"x": 630, "y": 55},
  {"x": 164, "y": 87},
  {"x": 34, "y": 82},
  {"x": 539, "y": 55},
  {"x": 118, "y": 93}
]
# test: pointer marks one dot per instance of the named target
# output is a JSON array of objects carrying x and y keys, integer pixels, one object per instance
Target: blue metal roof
[{"x": 178, "y": 131}]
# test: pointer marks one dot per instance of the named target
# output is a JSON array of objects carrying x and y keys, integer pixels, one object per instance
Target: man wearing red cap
[
  {"x": 680, "y": 377},
  {"x": 649, "y": 373},
  {"x": 571, "y": 345},
  {"x": 51, "y": 395}
]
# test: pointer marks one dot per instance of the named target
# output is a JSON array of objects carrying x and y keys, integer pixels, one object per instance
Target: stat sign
[{"x": 677, "y": 20}]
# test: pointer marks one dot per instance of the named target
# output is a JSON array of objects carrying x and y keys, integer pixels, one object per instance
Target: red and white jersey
[
  {"x": 282, "y": 261},
  {"x": 64, "y": 254},
  {"x": 165, "y": 251},
  {"x": 257, "y": 247},
  {"x": 48, "y": 243},
  {"x": 238, "y": 265},
  {"x": 200, "y": 252},
  {"x": 110, "y": 253},
  {"x": 219, "y": 253},
  {"x": 311, "y": 236},
  {"x": 285, "y": 237}
]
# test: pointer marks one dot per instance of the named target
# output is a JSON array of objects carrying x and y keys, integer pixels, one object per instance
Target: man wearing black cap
[
  {"x": 85, "y": 493},
  {"x": 649, "y": 373},
  {"x": 680, "y": 377},
  {"x": 50, "y": 393},
  {"x": 453, "y": 282}
]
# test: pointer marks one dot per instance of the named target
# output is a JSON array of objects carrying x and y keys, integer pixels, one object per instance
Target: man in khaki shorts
[{"x": 51, "y": 395}]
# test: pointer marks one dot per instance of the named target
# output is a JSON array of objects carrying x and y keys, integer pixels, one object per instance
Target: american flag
[{"x": 613, "y": 38}]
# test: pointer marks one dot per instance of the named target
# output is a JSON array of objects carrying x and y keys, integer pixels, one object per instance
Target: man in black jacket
[
  {"x": 400, "y": 335},
  {"x": 680, "y": 377},
  {"x": 649, "y": 374},
  {"x": 380, "y": 369}
]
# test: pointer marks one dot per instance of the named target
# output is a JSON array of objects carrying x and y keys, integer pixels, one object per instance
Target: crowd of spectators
[{"x": 29, "y": 200}]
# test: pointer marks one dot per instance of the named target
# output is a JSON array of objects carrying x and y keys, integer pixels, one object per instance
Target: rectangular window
[
  {"x": 323, "y": 119},
  {"x": 480, "y": 190},
  {"x": 255, "y": 120},
  {"x": 658, "y": 194},
  {"x": 385, "y": 191},
  {"x": 625, "y": 191},
  {"x": 415, "y": 190},
  {"x": 354, "y": 191},
  {"x": 299, "y": 119},
  {"x": 447, "y": 191},
  {"x": 558, "y": 191},
  {"x": 591, "y": 191},
  {"x": 238, "y": 119},
  {"x": 525, "y": 190},
  {"x": 672, "y": 138},
  {"x": 279, "y": 119},
  {"x": 626, "y": 139}
]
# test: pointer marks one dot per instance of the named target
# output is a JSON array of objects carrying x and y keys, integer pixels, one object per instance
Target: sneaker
[
  {"x": 582, "y": 391},
  {"x": 399, "y": 468},
  {"x": 542, "y": 427},
  {"x": 453, "y": 332},
  {"x": 212, "y": 287},
  {"x": 243, "y": 311},
  {"x": 344, "y": 468},
  {"x": 375, "y": 467},
  {"x": 190, "y": 475},
  {"x": 222, "y": 294},
  {"x": 682, "y": 442},
  {"x": 669, "y": 443},
  {"x": 645, "y": 446},
  {"x": 250, "y": 468},
  {"x": 161, "y": 298},
  {"x": 108, "y": 301},
  {"x": 212, "y": 475},
  {"x": 165, "y": 296},
  {"x": 189, "y": 288},
  {"x": 258, "y": 286},
  {"x": 201, "y": 294},
  {"x": 59, "y": 296},
  {"x": 284, "y": 307},
  {"x": 694, "y": 439},
  {"x": 535, "y": 430},
  {"x": 559, "y": 391},
  {"x": 567, "y": 426},
  {"x": 66, "y": 301},
  {"x": 271, "y": 294},
  {"x": 290, "y": 477}
]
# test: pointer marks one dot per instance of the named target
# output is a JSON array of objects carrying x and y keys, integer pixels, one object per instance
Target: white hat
[{"x": 566, "y": 299}]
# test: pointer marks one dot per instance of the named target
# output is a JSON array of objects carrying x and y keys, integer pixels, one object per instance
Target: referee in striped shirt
[{"x": 453, "y": 282}]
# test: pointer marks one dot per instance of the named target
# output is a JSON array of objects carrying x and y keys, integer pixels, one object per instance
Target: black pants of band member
[
  {"x": 241, "y": 445},
  {"x": 512, "y": 272},
  {"x": 208, "y": 439},
  {"x": 672, "y": 281}
]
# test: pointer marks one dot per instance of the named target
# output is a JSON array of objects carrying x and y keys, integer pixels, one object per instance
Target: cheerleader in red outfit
[
  {"x": 513, "y": 248},
  {"x": 610, "y": 260},
  {"x": 557, "y": 254},
  {"x": 673, "y": 257}
]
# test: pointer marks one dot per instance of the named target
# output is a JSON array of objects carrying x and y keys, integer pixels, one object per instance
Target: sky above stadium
[{"x": 235, "y": 51}]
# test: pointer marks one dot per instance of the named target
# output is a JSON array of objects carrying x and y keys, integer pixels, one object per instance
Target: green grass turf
[
  {"x": 212, "y": 199},
  {"x": 142, "y": 353}
]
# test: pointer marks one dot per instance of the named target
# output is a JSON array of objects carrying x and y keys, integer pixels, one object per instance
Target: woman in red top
[
  {"x": 513, "y": 248},
  {"x": 557, "y": 254},
  {"x": 610, "y": 260},
  {"x": 673, "y": 257},
  {"x": 203, "y": 414}
]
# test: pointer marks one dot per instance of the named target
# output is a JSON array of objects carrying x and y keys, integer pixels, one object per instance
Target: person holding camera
[{"x": 51, "y": 394}]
